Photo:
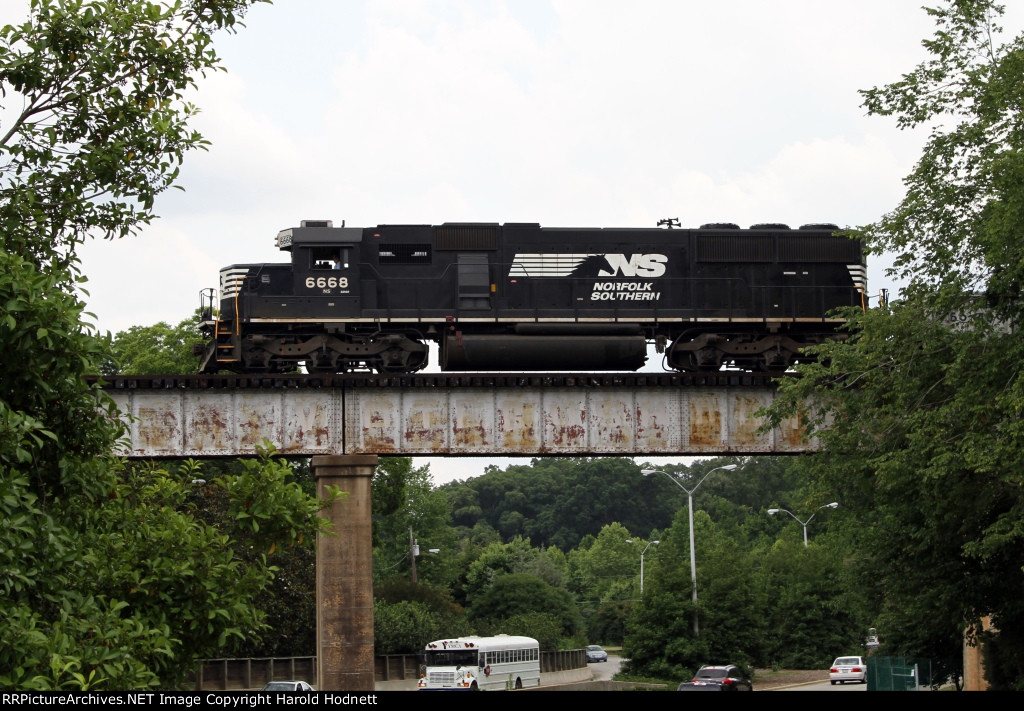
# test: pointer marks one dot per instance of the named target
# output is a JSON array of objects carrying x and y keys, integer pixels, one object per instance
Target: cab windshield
[{"x": 450, "y": 658}]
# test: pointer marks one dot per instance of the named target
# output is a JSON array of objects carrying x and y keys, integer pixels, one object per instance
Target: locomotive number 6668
[
  {"x": 326, "y": 282},
  {"x": 521, "y": 297}
]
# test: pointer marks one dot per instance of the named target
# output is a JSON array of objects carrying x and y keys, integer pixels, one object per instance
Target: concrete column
[
  {"x": 344, "y": 576},
  {"x": 974, "y": 662}
]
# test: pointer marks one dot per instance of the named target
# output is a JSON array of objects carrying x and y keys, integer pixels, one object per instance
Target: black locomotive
[{"x": 523, "y": 297}]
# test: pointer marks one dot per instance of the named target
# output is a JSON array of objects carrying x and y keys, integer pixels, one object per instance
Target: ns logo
[{"x": 635, "y": 265}]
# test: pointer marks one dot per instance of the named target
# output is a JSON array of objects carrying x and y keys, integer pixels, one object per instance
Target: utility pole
[{"x": 414, "y": 550}]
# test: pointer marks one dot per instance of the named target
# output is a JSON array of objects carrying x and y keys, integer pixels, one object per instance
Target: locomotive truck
[{"x": 521, "y": 297}]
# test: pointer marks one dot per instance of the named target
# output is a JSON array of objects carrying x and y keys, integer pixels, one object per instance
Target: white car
[
  {"x": 846, "y": 669},
  {"x": 287, "y": 686}
]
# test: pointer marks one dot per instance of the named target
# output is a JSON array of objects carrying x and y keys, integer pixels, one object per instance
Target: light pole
[
  {"x": 833, "y": 505},
  {"x": 693, "y": 554},
  {"x": 414, "y": 551},
  {"x": 652, "y": 543}
]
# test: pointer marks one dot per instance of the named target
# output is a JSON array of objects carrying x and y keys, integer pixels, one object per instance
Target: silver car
[
  {"x": 596, "y": 653},
  {"x": 846, "y": 669}
]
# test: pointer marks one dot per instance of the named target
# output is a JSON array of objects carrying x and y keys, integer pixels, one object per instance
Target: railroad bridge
[
  {"x": 636, "y": 414},
  {"x": 344, "y": 422}
]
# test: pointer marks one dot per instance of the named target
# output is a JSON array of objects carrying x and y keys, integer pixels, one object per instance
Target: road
[
  {"x": 826, "y": 686},
  {"x": 604, "y": 671}
]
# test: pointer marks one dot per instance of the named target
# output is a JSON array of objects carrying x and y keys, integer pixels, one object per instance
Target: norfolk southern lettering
[
  {"x": 624, "y": 291},
  {"x": 521, "y": 297}
]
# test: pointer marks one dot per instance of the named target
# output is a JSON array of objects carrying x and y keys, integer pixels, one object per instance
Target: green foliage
[
  {"x": 288, "y": 606},
  {"x": 170, "y": 570},
  {"x": 266, "y": 507},
  {"x": 262, "y": 529},
  {"x": 496, "y": 560},
  {"x": 604, "y": 576},
  {"x": 556, "y": 501},
  {"x": 130, "y": 588},
  {"x": 406, "y": 630},
  {"x": 404, "y": 627},
  {"x": 607, "y": 624},
  {"x": 407, "y": 508},
  {"x": 47, "y": 402},
  {"x": 544, "y": 627},
  {"x": 56, "y": 474},
  {"x": 957, "y": 214},
  {"x": 101, "y": 124},
  {"x": 157, "y": 349},
  {"x": 109, "y": 579},
  {"x": 1002, "y": 654},
  {"x": 811, "y": 618},
  {"x": 520, "y": 593},
  {"x": 659, "y": 641},
  {"x": 731, "y": 604},
  {"x": 920, "y": 410}
]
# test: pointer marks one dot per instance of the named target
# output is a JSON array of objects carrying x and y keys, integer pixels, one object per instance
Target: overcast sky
[{"x": 562, "y": 112}]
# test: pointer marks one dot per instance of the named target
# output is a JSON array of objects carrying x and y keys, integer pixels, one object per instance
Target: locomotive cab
[{"x": 325, "y": 269}]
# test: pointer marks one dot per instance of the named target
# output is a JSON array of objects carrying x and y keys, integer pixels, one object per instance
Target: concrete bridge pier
[{"x": 344, "y": 576}]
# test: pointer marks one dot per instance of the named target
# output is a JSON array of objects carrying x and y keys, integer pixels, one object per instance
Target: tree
[
  {"x": 156, "y": 349},
  {"x": 515, "y": 594},
  {"x": 496, "y": 560},
  {"x": 405, "y": 504},
  {"x": 109, "y": 578},
  {"x": 919, "y": 411},
  {"x": 809, "y": 613},
  {"x": 408, "y": 615},
  {"x": 659, "y": 633},
  {"x": 604, "y": 576},
  {"x": 288, "y": 603},
  {"x": 101, "y": 125},
  {"x": 557, "y": 501}
]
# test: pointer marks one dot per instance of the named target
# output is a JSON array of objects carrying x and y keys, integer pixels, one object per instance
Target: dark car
[
  {"x": 596, "y": 653},
  {"x": 718, "y": 678}
]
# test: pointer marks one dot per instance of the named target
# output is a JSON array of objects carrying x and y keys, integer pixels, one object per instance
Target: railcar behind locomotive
[{"x": 521, "y": 297}]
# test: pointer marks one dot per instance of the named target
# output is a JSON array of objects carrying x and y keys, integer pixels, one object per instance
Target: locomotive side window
[
  {"x": 404, "y": 254},
  {"x": 330, "y": 258}
]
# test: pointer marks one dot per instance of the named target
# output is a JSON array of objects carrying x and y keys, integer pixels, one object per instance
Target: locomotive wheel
[
  {"x": 777, "y": 360},
  {"x": 706, "y": 359},
  {"x": 403, "y": 357},
  {"x": 328, "y": 354}
]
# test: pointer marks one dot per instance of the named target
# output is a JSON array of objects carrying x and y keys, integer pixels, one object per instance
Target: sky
[{"x": 570, "y": 113}]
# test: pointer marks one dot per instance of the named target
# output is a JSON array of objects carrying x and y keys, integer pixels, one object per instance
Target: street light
[
  {"x": 833, "y": 505},
  {"x": 652, "y": 543},
  {"x": 693, "y": 554}
]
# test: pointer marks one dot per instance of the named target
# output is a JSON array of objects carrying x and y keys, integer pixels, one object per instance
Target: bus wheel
[
  {"x": 474, "y": 687},
  {"x": 519, "y": 683}
]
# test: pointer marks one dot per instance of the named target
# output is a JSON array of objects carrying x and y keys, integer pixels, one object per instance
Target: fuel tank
[{"x": 542, "y": 352}]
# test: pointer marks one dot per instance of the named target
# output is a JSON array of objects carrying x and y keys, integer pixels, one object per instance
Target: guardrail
[{"x": 243, "y": 674}]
